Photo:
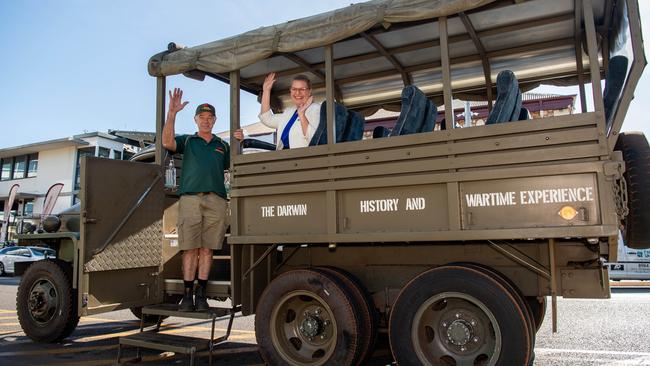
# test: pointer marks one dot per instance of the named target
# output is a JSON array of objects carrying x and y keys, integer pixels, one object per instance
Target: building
[{"x": 36, "y": 167}]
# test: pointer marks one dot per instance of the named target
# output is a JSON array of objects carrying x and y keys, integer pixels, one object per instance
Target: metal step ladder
[{"x": 189, "y": 346}]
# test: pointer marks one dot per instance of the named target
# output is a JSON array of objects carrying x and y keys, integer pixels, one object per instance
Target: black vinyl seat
[
  {"x": 614, "y": 81},
  {"x": 507, "y": 107},
  {"x": 349, "y": 125},
  {"x": 418, "y": 115}
]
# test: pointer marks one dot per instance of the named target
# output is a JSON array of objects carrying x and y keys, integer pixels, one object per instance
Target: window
[
  {"x": 28, "y": 208},
  {"x": 6, "y": 168},
  {"x": 86, "y": 151},
  {"x": 20, "y": 167},
  {"x": 32, "y": 165},
  {"x": 127, "y": 155},
  {"x": 117, "y": 155},
  {"x": 104, "y": 152}
]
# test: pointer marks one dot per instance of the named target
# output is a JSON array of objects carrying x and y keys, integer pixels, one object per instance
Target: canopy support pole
[
  {"x": 578, "y": 50},
  {"x": 446, "y": 72},
  {"x": 160, "y": 117},
  {"x": 594, "y": 67},
  {"x": 234, "y": 147}
]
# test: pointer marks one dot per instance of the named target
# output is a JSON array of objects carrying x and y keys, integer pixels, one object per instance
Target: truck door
[{"x": 120, "y": 246}]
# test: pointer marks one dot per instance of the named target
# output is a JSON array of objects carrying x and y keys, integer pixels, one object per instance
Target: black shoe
[
  {"x": 187, "y": 304},
  {"x": 200, "y": 300}
]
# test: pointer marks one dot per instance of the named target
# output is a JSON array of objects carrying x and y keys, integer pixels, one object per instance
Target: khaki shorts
[{"x": 202, "y": 221}]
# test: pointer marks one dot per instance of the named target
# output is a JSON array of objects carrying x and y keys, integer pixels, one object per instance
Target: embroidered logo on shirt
[{"x": 219, "y": 150}]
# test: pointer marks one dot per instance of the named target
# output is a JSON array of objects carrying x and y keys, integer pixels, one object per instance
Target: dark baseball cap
[{"x": 205, "y": 107}]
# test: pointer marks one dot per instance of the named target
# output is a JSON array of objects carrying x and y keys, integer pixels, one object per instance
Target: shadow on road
[{"x": 10, "y": 280}]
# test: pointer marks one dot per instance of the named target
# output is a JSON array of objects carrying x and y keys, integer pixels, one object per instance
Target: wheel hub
[
  {"x": 311, "y": 326},
  {"x": 459, "y": 332},
  {"x": 462, "y": 332},
  {"x": 42, "y": 302}
]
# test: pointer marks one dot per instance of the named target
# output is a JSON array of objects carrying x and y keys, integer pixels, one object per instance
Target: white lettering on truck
[
  {"x": 532, "y": 197},
  {"x": 384, "y": 205},
  {"x": 415, "y": 204},
  {"x": 284, "y": 210}
]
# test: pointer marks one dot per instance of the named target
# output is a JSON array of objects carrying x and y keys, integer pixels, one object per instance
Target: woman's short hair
[{"x": 302, "y": 77}]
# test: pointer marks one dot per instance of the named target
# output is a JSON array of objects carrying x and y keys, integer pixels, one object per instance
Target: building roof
[
  {"x": 41, "y": 146},
  {"x": 135, "y": 138}
]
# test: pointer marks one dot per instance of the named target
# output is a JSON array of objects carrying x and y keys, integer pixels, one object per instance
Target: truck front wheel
[
  {"x": 455, "y": 315},
  {"x": 46, "y": 303}
]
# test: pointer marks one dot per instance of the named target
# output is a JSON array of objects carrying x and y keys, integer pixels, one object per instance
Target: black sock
[
  {"x": 189, "y": 284},
  {"x": 203, "y": 283}
]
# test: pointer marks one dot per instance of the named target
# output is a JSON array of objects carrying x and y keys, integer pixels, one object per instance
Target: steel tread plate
[{"x": 142, "y": 249}]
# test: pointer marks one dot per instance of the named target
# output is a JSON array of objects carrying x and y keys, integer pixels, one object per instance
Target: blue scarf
[{"x": 285, "y": 133}]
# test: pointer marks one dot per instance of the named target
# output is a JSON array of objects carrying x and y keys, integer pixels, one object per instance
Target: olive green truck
[{"x": 446, "y": 238}]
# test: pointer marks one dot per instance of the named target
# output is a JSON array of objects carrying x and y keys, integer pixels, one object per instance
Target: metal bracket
[
  {"x": 520, "y": 258},
  {"x": 259, "y": 260}
]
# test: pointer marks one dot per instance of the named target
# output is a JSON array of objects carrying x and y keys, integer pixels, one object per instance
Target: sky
[{"x": 74, "y": 66}]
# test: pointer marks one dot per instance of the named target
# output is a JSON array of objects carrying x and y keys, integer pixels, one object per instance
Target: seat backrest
[
  {"x": 430, "y": 115},
  {"x": 340, "y": 120},
  {"x": 354, "y": 126},
  {"x": 614, "y": 82},
  {"x": 414, "y": 105},
  {"x": 507, "y": 106},
  {"x": 524, "y": 114},
  {"x": 379, "y": 132}
]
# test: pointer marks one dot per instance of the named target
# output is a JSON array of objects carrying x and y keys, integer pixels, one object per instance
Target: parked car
[
  {"x": 11, "y": 255},
  {"x": 632, "y": 264}
]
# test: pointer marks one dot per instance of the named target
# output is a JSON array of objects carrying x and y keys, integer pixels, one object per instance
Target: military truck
[{"x": 448, "y": 240}]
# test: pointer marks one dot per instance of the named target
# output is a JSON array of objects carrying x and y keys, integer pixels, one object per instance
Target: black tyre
[
  {"x": 368, "y": 316},
  {"x": 148, "y": 319},
  {"x": 2, "y": 269},
  {"x": 455, "y": 315},
  {"x": 538, "y": 309},
  {"x": 304, "y": 317},
  {"x": 46, "y": 303},
  {"x": 514, "y": 291},
  {"x": 636, "y": 153}
]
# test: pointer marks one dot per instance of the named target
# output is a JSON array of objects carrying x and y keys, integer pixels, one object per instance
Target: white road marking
[{"x": 591, "y": 352}]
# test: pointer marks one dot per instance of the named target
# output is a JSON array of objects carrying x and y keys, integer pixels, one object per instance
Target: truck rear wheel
[
  {"x": 455, "y": 315},
  {"x": 538, "y": 309},
  {"x": 369, "y": 318},
  {"x": 305, "y": 317},
  {"x": 636, "y": 153},
  {"x": 512, "y": 289},
  {"x": 46, "y": 303}
]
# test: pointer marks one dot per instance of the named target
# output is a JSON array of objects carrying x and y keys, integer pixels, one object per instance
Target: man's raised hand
[{"x": 175, "y": 101}]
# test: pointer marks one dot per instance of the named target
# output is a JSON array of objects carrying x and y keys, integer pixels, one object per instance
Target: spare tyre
[{"x": 636, "y": 153}]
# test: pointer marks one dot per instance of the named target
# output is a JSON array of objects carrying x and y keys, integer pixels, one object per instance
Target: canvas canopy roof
[
  {"x": 236, "y": 52},
  {"x": 381, "y": 45}
]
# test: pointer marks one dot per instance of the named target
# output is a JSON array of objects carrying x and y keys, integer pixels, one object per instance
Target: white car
[
  {"x": 633, "y": 264},
  {"x": 10, "y": 255}
]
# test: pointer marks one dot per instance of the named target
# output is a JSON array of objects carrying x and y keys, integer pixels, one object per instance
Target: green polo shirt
[{"x": 203, "y": 164}]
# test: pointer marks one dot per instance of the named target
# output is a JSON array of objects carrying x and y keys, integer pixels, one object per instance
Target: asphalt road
[{"x": 590, "y": 332}]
